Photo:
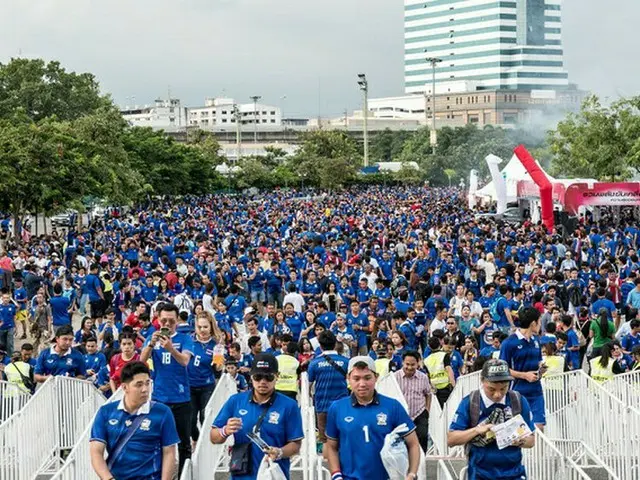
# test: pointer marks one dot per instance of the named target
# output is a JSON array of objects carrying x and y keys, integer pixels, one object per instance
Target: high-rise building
[{"x": 512, "y": 44}]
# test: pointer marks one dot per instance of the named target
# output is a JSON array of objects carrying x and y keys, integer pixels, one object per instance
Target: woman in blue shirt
[{"x": 201, "y": 370}]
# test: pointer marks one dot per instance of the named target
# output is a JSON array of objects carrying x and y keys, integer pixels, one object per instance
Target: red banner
[{"x": 621, "y": 194}]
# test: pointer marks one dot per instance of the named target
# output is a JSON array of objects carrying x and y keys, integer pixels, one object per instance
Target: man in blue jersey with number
[
  {"x": 139, "y": 435},
  {"x": 522, "y": 353},
  {"x": 329, "y": 373},
  {"x": 262, "y": 411},
  {"x": 171, "y": 353},
  {"x": 358, "y": 424}
]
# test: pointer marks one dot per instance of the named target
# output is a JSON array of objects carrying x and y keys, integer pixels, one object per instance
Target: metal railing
[
  {"x": 626, "y": 387},
  {"x": 32, "y": 439},
  {"x": 443, "y": 471},
  {"x": 208, "y": 458},
  {"x": 546, "y": 461},
  {"x": 582, "y": 410},
  {"x": 78, "y": 463},
  {"x": 12, "y": 399}
]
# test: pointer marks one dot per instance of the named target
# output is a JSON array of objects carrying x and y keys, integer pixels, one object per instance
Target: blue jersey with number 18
[{"x": 170, "y": 379}]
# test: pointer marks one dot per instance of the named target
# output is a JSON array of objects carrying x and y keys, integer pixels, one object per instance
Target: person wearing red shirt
[
  {"x": 127, "y": 355},
  {"x": 132, "y": 320}
]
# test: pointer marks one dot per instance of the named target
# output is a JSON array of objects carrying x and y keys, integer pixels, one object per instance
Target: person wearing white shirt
[
  {"x": 370, "y": 276},
  {"x": 295, "y": 299},
  {"x": 439, "y": 322},
  {"x": 458, "y": 301},
  {"x": 251, "y": 325}
]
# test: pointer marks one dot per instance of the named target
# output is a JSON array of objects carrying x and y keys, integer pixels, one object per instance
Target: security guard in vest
[
  {"x": 555, "y": 365},
  {"x": 20, "y": 374},
  {"x": 288, "y": 369},
  {"x": 382, "y": 363},
  {"x": 439, "y": 369},
  {"x": 603, "y": 368}
]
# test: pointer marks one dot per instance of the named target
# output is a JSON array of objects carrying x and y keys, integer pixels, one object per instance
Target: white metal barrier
[
  {"x": 545, "y": 461},
  {"x": 626, "y": 387},
  {"x": 31, "y": 440},
  {"x": 580, "y": 409},
  {"x": 78, "y": 463},
  {"x": 208, "y": 458},
  {"x": 443, "y": 471},
  {"x": 12, "y": 399}
]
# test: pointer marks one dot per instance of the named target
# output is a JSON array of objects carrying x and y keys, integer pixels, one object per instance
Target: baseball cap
[
  {"x": 496, "y": 371},
  {"x": 366, "y": 359},
  {"x": 264, "y": 363}
]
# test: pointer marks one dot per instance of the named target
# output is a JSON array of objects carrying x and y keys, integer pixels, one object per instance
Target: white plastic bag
[
  {"x": 394, "y": 453},
  {"x": 270, "y": 470}
]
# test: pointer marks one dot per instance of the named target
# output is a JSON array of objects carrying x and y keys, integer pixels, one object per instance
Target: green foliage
[
  {"x": 387, "y": 145},
  {"x": 43, "y": 90},
  {"x": 598, "y": 142}
]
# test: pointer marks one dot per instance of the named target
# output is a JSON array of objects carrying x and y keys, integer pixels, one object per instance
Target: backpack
[
  {"x": 474, "y": 410},
  {"x": 575, "y": 297}
]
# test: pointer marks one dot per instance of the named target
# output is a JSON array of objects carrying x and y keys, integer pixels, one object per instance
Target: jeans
[
  {"x": 258, "y": 296},
  {"x": 199, "y": 398},
  {"x": 182, "y": 416},
  {"x": 6, "y": 340},
  {"x": 275, "y": 298},
  {"x": 84, "y": 299}
]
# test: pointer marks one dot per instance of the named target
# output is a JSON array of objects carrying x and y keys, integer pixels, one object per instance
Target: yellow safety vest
[
  {"x": 555, "y": 366},
  {"x": 108, "y": 286},
  {"x": 437, "y": 372},
  {"x": 599, "y": 373},
  {"x": 12, "y": 371},
  {"x": 288, "y": 374},
  {"x": 382, "y": 366}
]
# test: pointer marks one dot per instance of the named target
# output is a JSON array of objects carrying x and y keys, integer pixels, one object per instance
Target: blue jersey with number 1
[{"x": 170, "y": 379}]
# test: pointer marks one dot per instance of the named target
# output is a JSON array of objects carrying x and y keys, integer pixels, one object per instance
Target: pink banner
[{"x": 621, "y": 194}]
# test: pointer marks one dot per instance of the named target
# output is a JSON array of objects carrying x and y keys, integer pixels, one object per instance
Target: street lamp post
[
  {"x": 236, "y": 116},
  {"x": 255, "y": 99},
  {"x": 364, "y": 86},
  {"x": 434, "y": 136}
]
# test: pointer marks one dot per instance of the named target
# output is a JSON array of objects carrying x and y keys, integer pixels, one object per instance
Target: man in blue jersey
[
  {"x": 522, "y": 353},
  {"x": 471, "y": 424},
  {"x": 139, "y": 435},
  {"x": 264, "y": 412},
  {"x": 328, "y": 371},
  {"x": 60, "y": 359},
  {"x": 171, "y": 353},
  {"x": 93, "y": 288},
  {"x": 8, "y": 311},
  {"x": 60, "y": 308},
  {"x": 358, "y": 424}
]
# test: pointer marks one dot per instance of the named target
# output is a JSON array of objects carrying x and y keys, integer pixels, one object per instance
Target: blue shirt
[
  {"x": 71, "y": 364},
  {"x": 523, "y": 355},
  {"x": 94, "y": 361},
  {"x": 360, "y": 431},
  {"x": 331, "y": 385},
  {"x": 91, "y": 286},
  {"x": 235, "y": 307},
  {"x": 363, "y": 322},
  {"x": 603, "y": 303},
  {"x": 60, "y": 310},
  {"x": 142, "y": 455},
  {"x": 200, "y": 369},
  {"x": 170, "y": 379},
  {"x": 489, "y": 462},
  {"x": 8, "y": 316},
  {"x": 20, "y": 296},
  {"x": 282, "y": 424}
]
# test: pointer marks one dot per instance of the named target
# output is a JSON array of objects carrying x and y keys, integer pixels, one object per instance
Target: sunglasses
[{"x": 258, "y": 377}]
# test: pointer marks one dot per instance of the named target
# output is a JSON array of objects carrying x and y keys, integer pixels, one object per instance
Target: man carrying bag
[{"x": 262, "y": 421}]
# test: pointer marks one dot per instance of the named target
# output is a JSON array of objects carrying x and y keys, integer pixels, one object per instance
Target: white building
[
  {"x": 220, "y": 111},
  {"x": 500, "y": 45},
  {"x": 162, "y": 114}
]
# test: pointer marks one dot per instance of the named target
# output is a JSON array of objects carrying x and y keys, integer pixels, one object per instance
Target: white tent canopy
[{"x": 512, "y": 173}]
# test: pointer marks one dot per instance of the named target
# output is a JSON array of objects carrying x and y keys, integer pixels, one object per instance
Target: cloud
[{"x": 309, "y": 51}]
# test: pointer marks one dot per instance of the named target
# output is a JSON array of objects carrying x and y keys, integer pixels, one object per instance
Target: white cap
[{"x": 362, "y": 359}]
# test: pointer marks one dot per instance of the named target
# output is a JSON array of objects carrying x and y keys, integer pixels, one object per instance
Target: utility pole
[
  {"x": 364, "y": 86},
  {"x": 255, "y": 99},
  {"x": 434, "y": 136},
  {"x": 236, "y": 115}
]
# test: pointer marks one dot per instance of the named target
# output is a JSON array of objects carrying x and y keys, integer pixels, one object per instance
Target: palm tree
[{"x": 450, "y": 173}]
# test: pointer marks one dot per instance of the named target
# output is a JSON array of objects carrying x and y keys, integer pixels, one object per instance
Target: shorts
[
  {"x": 536, "y": 403},
  {"x": 258, "y": 296},
  {"x": 21, "y": 316},
  {"x": 97, "y": 308}
]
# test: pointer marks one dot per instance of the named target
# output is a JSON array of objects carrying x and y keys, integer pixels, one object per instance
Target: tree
[
  {"x": 43, "y": 90},
  {"x": 388, "y": 144},
  {"x": 450, "y": 173},
  {"x": 326, "y": 158},
  {"x": 597, "y": 142},
  {"x": 408, "y": 175}
]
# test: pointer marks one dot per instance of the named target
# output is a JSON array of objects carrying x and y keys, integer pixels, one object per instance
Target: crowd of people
[{"x": 379, "y": 279}]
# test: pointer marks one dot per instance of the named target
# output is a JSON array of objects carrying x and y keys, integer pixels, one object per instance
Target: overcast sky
[{"x": 309, "y": 51}]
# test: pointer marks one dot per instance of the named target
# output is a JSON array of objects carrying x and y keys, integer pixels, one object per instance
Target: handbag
[{"x": 240, "y": 462}]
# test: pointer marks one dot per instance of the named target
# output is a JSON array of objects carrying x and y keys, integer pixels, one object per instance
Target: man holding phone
[
  {"x": 171, "y": 353},
  {"x": 261, "y": 412}
]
